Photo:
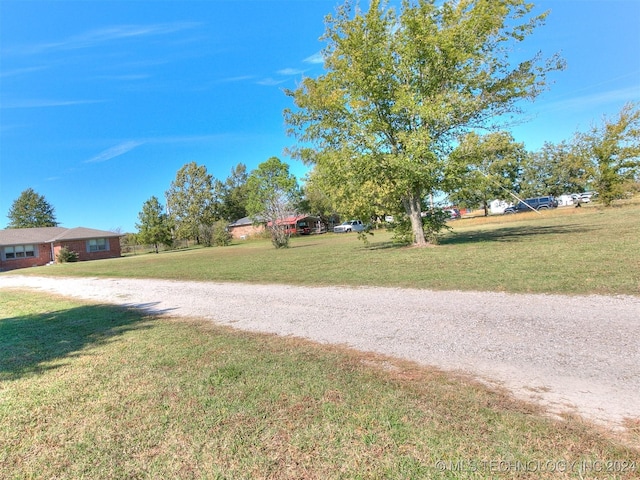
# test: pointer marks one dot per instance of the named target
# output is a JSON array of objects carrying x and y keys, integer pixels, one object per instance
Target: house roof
[
  {"x": 17, "y": 236},
  {"x": 241, "y": 222},
  {"x": 244, "y": 221},
  {"x": 290, "y": 219}
]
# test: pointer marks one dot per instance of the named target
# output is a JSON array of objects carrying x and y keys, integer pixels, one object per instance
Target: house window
[
  {"x": 97, "y": 245},
  {"x": 19, "y": 251}
]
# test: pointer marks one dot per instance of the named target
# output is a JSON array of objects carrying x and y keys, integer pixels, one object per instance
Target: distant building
[
  {"x": 30, "y": 247},
  {"x": 245, "y": 228},
  {"x": 295, "y": 225}
]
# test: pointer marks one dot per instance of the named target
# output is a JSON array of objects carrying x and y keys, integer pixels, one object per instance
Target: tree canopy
[
  {"x": 31, "y": 210},
  {"x": 493, "y": 165},
  {"x": 233, "y": 193},
  {"x": 190, "y": 202},
  {"x": 272, "y": 196},
  {"x": 402, "y": 87},
  {"x": 555, "y": 169},
  {"x": 613, "y": 153},
  {"x": 154, "y": 227}
]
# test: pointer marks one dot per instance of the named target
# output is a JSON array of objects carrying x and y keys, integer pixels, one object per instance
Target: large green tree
[
  {"x": 493, "y": 166},
  {"x": 154, "y": 227},
  {"x": 273, "y": 194},
  {"x": 190, "y": 203},
  {"x": 400, "y": 88},
  {"x": 613, "y": 152},
  {"x": 31, "y": 210},
  {"x": 232, "y": 194},
  {"x": 555, "y": 169}
]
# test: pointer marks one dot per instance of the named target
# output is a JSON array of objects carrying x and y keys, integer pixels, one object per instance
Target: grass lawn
[
  {"x": 567, "y": 250},
  {"x": 94, "y": 391}
]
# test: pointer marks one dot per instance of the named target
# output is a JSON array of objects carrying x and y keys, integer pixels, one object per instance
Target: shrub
[
  {"x": 221, "y": 234},
  {"x": 279, "y": 235},
  {"x": 66, "y": 255}
]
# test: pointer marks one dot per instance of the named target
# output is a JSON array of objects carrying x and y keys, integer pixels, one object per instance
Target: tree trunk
[{"x": 412, "y": 208}]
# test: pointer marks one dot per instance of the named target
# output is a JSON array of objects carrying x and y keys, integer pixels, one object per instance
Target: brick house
[
  {"x": 245, "y": 228},
  {"x": 295, "y": 224},
  {"x": 30, "y": 247}
]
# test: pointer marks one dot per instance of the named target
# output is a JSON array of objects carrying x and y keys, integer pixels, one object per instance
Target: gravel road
[{"x": 577, "y": 354}]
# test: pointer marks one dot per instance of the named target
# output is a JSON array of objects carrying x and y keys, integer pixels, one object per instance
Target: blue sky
[{"x": 101, "y": 102}]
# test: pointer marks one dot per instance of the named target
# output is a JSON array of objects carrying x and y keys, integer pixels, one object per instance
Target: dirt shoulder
[{"x": 578, "y": 354}]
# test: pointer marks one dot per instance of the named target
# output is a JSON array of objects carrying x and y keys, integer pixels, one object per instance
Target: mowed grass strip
[
  {"x": 95, "y": 391},
  {"x": 568, "y": 250}
]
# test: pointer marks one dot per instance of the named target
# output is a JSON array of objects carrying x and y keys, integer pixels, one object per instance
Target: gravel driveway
[{"x": 576, "y": 354}]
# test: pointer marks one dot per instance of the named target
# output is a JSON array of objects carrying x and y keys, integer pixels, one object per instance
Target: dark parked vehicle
[{"x": 536, "y": 203}]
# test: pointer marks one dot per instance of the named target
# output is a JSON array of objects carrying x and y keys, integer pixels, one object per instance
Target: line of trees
[
  {"x": 481, "y": 168},
  {"x": 200, "y": 207},
  {"x": 605, "y": 159}
]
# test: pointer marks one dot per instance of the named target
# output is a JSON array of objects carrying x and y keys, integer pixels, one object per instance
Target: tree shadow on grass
[
  {"x": 385, "y": 245},
  {"x": 504, "y": 234},
  {"x": 514, "y": 233},
  {"x": 36, "y": 343}
]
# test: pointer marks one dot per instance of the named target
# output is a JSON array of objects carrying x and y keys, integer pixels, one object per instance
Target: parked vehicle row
[
  {"x": 528, "y": 204},
  {"x": 535, "y": 203}
]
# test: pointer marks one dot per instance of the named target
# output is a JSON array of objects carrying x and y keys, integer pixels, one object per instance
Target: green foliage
[
  {"x": 221, "y": 235},
  {"x": 488, "y": 167},
  {"x": 400, "y": 88},
  {"x": 273, "y": 194},
  {"x": 315, "y": 201},
  {"x": 66, "y": 255},
  {"x": 129, "y": 242},
  {"x": 233, "y": 194},
  {"x": 31, "y": 210},
  {"x": 215, "y": 234},
  {"x": 155, "y": 226},
  {"x": 555, "y": 170},
  {"x": 190, "y": 201},
  {"x": 613, "y": 149}
]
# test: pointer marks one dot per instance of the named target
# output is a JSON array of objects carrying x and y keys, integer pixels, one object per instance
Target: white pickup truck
[{"x": 350, "y": 226}]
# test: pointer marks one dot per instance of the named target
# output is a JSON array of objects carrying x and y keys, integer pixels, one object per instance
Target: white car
[
  {"x": 586, "y": 197},
  {"x": 350, "y": 226}
]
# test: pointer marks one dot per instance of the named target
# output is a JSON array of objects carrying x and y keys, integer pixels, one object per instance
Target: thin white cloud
[
  {"x": 240, "y": 78},
  {"x": 290, "y": 71},
  {"x": 587, "y": 102},
  {"x": 270, "y": 82},
  {"x": 129, "y": 77},
  {"x": 315, "y": 58},
  {"x": 21, "y": 71},
  {"x": 115, "y": 151},
  {"x": 45, "y": 103},
  {"x": 103, "y": 35}
]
